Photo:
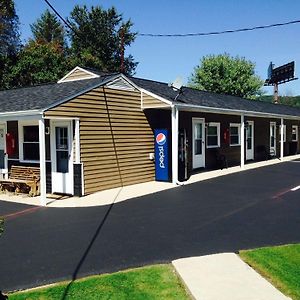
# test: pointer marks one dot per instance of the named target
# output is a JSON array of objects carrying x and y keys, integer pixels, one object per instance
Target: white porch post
[
  {"x": 242, "y": 141},
  {"x": 281, "y": 139},
  {"x": 42, "y": 162},
  {"x": 77, "y": 142},
  {"x": 174, "y": 117}
]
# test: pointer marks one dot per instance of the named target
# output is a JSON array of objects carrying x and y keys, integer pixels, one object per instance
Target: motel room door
[
  {"x": 3, "y": 156},
  {"x": 250, "y": 141},
  {"x": 62, "y": 157},
  {"x": 198, "y": 143},
  {"x": 273, "y": 138}
]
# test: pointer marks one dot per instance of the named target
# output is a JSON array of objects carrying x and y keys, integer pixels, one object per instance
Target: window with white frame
[
  {"x": 213, "y": 135},
  {"x": 295, "y": 133},
  {"x": 29, "y": 141},
  {"x": 235, "y": 134},
  {"x": 284, "y": 133}
]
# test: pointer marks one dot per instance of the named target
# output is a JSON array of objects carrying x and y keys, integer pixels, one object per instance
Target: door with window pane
[
  {"x": 198, "y": 143},
  {"x": 61, "y": 156},
  {"x": 273, "y": 138},
  {"x": 250, "y": 140}
]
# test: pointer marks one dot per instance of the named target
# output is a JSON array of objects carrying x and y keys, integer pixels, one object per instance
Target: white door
[
  {"x": 250, "y": 141},
  {"x": 3, "y": 156},
  {"x": 273, "y": 138},
  {"x": 62, "y": 157},
  {"x": 198, "y": 143}
]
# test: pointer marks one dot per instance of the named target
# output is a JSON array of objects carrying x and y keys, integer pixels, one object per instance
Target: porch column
[
  {"x": 281, "y": 138},
  {"x": 77, "y": 142},
  {"x": 42, "y": 162},
  {"x": 242, "y": 141},
  {"x": 174, "y": 117}
]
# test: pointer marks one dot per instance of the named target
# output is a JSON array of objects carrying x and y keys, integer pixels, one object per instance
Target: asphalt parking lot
[{"x": 239, "y": 211}]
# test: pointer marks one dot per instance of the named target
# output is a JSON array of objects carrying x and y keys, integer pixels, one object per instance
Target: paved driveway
[{"x": 243, "y": 210}]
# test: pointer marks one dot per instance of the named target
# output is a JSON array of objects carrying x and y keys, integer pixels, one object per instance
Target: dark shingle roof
[
  {"x": 212, "y": 100},
  {"x": 42, "y": 96}
]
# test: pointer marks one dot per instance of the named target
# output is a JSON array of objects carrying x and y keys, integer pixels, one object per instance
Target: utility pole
[{"x": 122, "y": 69}]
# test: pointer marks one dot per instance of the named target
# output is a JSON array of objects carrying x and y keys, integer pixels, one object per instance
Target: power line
[
  {"x": 60, "y": 16},
  {"x": 188, "y": 34},
  {"x": 219, "y": 32}
]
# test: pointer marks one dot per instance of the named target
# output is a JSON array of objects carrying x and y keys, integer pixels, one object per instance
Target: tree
[
  {"x": 223, "y": 74},
  {"x": 48, "y": 29},
  {"x": 97, "y": 38},
  {"x": 39, "y": 63},
  {"x": 9, "y": 28}
]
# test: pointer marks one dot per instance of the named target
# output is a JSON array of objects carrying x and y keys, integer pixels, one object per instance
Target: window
[
  {"x": 235, "y": 131},
  {"x": 284, "y": 133},
  {"x": 31, "y": 149},
  {"x": 295, "y": 133},
  {"x": 213, "y": 135}
]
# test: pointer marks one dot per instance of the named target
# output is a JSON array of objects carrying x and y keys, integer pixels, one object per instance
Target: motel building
[{"x": 93, "y": 131}]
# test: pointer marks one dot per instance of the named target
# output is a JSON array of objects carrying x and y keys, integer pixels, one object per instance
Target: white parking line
[{"x": 295, "y": 188}]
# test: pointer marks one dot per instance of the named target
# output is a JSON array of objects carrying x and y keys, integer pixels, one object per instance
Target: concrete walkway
[
  {"x": 224, "y": 277},
  {"x": 137, "y": 190}
]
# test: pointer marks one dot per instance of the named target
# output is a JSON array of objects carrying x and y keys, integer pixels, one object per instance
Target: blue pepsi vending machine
[{"x": 161, "y": 155}]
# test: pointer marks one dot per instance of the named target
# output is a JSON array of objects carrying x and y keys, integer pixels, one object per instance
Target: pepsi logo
[{"x": 161, "y": 139}]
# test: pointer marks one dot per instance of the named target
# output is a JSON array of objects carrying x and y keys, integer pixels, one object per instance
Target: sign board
[
  {"x": 161, "y": 155},
  {"x": 281, "y": 74}
]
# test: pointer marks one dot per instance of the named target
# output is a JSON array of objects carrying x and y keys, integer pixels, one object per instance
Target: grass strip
[
  {"x": 280, "y": 265},
  {"x": 151, "y": 282}
]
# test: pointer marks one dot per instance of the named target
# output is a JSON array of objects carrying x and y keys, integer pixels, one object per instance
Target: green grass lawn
[
  {"x": 280, "y": 265},
  {"x": 153, "y": 282}
]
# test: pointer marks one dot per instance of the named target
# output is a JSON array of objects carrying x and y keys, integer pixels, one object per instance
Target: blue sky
[{"x": 164, "y": 59}]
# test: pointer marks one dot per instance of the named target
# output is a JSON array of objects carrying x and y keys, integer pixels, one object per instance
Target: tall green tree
[
  {"x": 9, "y": 28},
  {"x": 48, "y": 29},
  {"x": 224, "y": 74},
  {"x": 39, "y": 63},
  {"x": 99, "y": 37}
]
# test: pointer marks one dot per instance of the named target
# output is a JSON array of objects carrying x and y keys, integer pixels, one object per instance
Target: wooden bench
[{"x": 20, "y": 177}]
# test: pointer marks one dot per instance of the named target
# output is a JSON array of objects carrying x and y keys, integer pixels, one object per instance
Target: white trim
[
  {"x": 233, "y": 111},
  {"x": 250, "y": 152},
  {"x": 77, "y": 142},
  {"x": 198, "y": 120},
  {"x": 69, "y": 125},
  {"x": 238, "y": 125},
  {"x": 297, "y": 133},
  {"x": 175, "y": 121},
  {"x": 242, "y": 140},
  {"x": 42, "y": 148},
  {"x": 215, "y": 124},
  {"x": 5, "y": 170},
  {"x": 64, "y": 79},
  {"x": 21, "y": 124},
  {"x": 82, "y": 180},
  {"x": 103, "y": 83},
  {"x": 157, "y": 97},
  {"x": 61, "y": 118},
  {"x": 275, "y": 138},
  {"x": 284, "y": 134},
  {"x": 21, "y": 115},
  {"x": 281, "y": 138}
]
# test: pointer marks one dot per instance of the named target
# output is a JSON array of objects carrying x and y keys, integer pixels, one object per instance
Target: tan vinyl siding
[
  {"x": 131, "y": 133},
  {"x": 78, "y": 75},
  {"x": 151, "y": 102}
]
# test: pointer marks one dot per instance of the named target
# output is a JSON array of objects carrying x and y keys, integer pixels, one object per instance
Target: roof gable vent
[
  {"x": 78, "y": 74},
  {"x": 120, "y": 84}
]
